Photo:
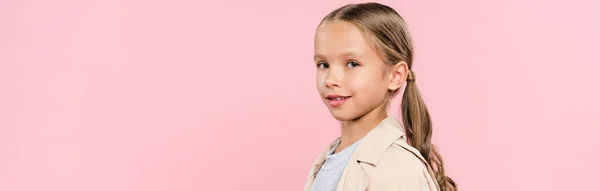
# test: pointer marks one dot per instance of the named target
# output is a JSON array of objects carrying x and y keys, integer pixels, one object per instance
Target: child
[{"x": 363, "y": 55}]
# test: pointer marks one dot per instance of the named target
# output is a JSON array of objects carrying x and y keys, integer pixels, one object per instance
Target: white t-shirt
[{"x": 330, "y": 173}]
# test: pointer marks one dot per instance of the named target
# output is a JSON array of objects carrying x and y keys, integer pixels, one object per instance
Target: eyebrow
[
  {"x": 318, "y": 57},
  {"x": 345, "y": 54}
]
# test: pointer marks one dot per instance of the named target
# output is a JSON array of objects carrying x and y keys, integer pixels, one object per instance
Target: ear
[{"x": 398, "y": 75}]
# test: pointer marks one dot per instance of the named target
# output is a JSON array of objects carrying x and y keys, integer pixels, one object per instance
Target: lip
[{"x": 336, "y": 100}]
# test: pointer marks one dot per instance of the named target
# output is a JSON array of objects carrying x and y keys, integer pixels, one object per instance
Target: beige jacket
[{"x": 383, "y": 161}]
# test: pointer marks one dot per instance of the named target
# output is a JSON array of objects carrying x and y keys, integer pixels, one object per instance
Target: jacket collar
[
  {"x": 374, "y": 144},
  {"x": 378, "y": 140},
  {"x": 371, "y": 148}
]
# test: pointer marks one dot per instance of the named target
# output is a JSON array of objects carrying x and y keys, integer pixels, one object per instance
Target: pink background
[{"x": 186, "y": 95}]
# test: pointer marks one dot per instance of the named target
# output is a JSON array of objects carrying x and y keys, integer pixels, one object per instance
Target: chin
[{"x": 341, "y": 116}]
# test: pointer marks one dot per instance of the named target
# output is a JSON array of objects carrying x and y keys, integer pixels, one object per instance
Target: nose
[{"x": 332, "y": 79}]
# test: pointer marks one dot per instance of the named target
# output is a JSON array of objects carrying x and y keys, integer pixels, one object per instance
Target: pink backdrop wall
[{"x": 186, "y": 95}]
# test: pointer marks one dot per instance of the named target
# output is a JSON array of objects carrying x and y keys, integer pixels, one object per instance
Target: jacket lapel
[
  {"x": 353, "y": 178},
  {"x": 369, "y": 152}
]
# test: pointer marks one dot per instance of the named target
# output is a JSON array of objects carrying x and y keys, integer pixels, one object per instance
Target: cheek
[
  {"x": 368, "y": 78},
  {"x": 320, "y": 81},
  {"x": 369, "y": 84}
]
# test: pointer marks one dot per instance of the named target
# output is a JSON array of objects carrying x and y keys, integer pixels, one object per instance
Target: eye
[
  {"x": 322, "y": 65},
  {"x": 352, "y": 64}
]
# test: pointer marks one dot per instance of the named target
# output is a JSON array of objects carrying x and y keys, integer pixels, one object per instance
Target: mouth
[{"x": 336, "y": 100}]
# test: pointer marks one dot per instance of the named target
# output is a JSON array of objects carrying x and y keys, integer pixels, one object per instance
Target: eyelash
[
  {"x": 326, "y": 65},
  {"x": 355, "y": 63},
  {"x": 322, "y": 64}
]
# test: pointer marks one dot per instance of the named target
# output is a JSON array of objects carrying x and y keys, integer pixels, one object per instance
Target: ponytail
[{"x": 417, "y": 122}]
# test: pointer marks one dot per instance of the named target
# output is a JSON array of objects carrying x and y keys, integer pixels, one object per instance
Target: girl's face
[{"x": 351, "y": 77}]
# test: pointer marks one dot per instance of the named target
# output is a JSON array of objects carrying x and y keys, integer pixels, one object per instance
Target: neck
[{"x": 356, "y": 129}]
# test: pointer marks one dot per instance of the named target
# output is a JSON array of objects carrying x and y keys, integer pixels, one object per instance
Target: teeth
[{"x": 339, "y": 98}]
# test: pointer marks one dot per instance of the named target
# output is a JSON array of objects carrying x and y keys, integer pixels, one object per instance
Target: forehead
[{"x": 340, "y": 38}]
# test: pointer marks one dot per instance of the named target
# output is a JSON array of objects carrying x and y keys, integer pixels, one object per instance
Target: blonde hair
[{"x": 387, "y": 32}]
